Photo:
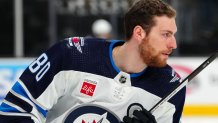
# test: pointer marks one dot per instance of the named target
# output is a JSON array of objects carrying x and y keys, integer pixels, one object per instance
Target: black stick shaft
[{"x": 184, "y": 82}]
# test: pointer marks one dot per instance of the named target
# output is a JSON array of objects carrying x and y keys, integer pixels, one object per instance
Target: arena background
[{"x": 28, "y": 27}]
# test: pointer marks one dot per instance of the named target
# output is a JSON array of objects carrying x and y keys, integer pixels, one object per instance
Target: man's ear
[{"x": 139, "y": 33}]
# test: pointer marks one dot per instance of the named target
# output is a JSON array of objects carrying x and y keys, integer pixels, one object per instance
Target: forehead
[{"x": 165, "y": 23}]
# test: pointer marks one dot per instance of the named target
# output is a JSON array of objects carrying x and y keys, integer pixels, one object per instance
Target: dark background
[{"x": 197, "y": 23}]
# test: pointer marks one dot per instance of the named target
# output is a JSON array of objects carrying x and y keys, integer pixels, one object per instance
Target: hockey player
[{"x": 89, "y": 80}]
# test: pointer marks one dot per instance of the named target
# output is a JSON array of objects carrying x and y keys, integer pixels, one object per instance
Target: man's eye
[{"x": 166, "y": 35}]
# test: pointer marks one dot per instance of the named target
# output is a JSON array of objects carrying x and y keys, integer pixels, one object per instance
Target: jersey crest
[{"x": 91, "y": 114}]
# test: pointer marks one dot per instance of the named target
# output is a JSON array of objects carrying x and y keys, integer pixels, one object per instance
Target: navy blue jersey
[{"x": 76, "y": 80}]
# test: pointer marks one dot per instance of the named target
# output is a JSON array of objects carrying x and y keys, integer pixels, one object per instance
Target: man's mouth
[{"x": 166, "y": 54}]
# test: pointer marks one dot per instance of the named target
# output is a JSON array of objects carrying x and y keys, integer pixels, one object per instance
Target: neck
[{"x": 127, "y": 58}]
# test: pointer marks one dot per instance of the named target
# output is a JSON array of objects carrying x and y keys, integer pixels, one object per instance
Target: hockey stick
[{"x": 184, "y": 82}]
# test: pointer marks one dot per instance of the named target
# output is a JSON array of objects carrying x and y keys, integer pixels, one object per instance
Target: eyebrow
[{"x": 167, "y": 31}]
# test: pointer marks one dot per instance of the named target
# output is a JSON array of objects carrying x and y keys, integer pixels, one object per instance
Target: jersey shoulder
[
  {"x": 164, "y": 75},
  {"x": 82, "y": 44},
  {"x": 171, "y": 74},
  {"x": 81, "y": 53}
]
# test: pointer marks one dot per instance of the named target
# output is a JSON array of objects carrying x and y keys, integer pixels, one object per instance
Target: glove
[{"x": 139, "y": 116}]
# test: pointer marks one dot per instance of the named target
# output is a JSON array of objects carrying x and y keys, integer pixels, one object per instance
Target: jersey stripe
[
  {"x": 20, "y": 90},
  {"x": 7, "y": 108}
]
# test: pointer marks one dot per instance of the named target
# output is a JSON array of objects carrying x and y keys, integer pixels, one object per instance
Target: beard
[{"x": 150, "y": 55}]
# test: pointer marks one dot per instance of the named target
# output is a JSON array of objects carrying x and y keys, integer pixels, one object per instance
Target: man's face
[{"x": 158, "y": 45}]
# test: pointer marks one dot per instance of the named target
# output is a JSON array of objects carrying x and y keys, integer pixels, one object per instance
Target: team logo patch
[
  {"x": 88, "y": 88},
  {"x": 175, "y": 76},
  {"x": 78, "y": 42},
  {"x": 91, "y": 114},
  {"x": 184, "y": 72}
]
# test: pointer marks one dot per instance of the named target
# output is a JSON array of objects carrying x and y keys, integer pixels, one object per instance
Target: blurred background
[{"x": 29, "y": 27}]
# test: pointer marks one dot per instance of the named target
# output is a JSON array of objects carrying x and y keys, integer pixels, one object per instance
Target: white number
[{"x": 37, "y": 64}]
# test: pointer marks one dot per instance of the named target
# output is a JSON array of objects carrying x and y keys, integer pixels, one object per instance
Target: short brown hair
[{"x": 143, "y": 12}]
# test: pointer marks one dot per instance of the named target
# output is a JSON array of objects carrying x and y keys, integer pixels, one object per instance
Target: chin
[
  {"x": 156, "y": 61},
  {"x": 160, "y": 63}
]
